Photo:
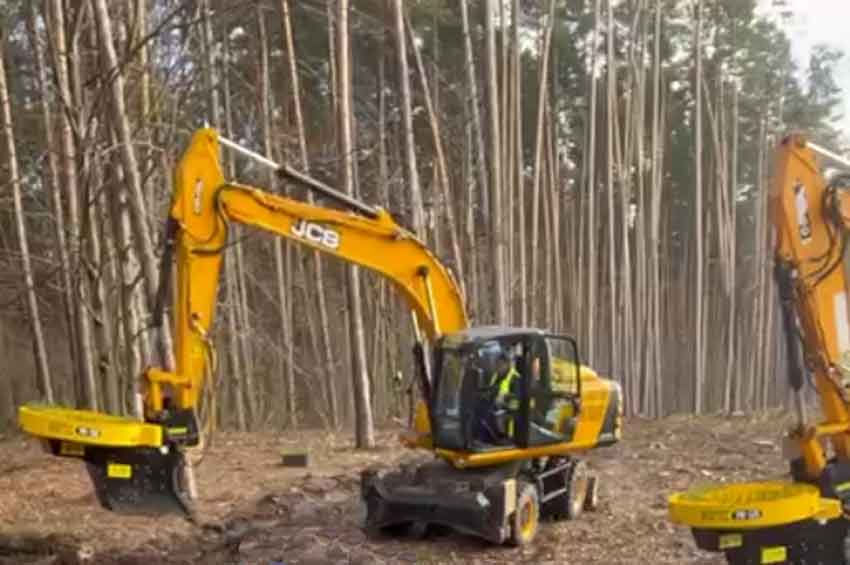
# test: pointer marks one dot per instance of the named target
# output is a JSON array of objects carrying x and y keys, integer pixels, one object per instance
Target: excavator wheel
[
  {"x": 591, "y": 501},
  {"x": 526, "y": 519},
  {"x": 578, "y": 488}
]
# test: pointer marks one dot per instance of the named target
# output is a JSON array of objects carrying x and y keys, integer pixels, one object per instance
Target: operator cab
[{"x": 502, "y": 388}]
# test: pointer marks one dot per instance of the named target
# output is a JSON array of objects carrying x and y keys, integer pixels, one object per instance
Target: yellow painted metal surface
[
  {"x": 808, "y": 237},
  {"x": 87, "y": 427},
  {"x": 745, "y": 506},
  {"x": 119, "y": 471},
  {"x": 730, "y": 541},
  {"x": 775, "y": 554}
]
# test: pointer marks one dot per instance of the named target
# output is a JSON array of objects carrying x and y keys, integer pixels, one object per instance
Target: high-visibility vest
[{"x": 505, "y": 385}]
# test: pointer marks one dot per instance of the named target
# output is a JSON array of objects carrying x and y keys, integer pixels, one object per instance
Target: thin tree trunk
[
  {"x": 497, "y": 231},
  {"x": 209, "y": 69},
  {"x": 241, "y": 313},
  {"x": 731, "y": 376},
  {"x": 237, "y": 376},
  {"x": 590, "y": 308},
  {"x": 442, "y": 167},
  {"x": 556, "y": 209},
  {"x": 364, "y": 427},
  {"x": 99, "y": 307},
  {"x": 136, "y": 345},
  {"x": 411, "y": 174},
  {"x": 317, "y": 259},
  {"x": 698, "y": 292},
  {"x": 480, "y": 158},
  {"x": 610, "y": 94},
  {"x": 542, "y": 91},
  {"x": 282, "y": 282}
]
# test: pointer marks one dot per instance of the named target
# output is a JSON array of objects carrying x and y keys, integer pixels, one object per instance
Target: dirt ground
[{"x": 254, "y": 511}]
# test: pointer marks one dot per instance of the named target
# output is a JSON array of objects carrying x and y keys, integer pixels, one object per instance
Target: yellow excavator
[
  {"x": 505, "y": 410},
  {"x": 803, "y": 520}
]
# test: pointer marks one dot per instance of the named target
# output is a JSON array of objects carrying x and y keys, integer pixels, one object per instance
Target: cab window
[{"x": 553, "y": 387}]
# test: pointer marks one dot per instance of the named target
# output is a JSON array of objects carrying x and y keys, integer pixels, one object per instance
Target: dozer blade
[{"x": 133, "y": 470}]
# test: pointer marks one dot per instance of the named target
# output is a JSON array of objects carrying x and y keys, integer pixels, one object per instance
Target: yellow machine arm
[
  {"x": 812, "y": 221},
  {"x": 205, "y": 204},
  {"x": 803, "y": 520}
]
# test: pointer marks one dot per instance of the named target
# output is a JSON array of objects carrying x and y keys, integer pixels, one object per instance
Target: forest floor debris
[{"x": 256, "y": 511}]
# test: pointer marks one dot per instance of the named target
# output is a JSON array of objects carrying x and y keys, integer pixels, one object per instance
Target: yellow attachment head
[
  {"x": 87, "y": 427},
  {"x": 745, "y": 506}
]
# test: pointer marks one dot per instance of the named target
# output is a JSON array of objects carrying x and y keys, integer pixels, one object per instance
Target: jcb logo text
[{"x": 316, "y": 234}]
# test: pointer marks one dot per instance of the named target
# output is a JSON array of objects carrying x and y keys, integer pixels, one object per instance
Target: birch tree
[{"x": 364, "y": 426}]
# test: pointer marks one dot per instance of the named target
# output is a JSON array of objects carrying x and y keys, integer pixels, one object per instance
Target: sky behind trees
[{"x": 820, "y": 21}]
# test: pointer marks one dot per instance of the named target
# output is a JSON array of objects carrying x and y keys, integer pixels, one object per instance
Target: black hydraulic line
[
  {"x": 785, "y": 277},
  {"x": 422, "y": 372},
  {"x": 165, "y": 266},
  {"x": 287, "y": 172}
]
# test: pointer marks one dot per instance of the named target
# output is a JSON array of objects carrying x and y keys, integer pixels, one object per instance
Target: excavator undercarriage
[{"x": 481, "y": 502}]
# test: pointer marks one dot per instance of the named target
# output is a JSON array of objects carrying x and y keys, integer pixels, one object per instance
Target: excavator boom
[{"x": 204, "y": 206}]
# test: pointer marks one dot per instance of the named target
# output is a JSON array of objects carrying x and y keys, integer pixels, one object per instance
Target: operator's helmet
[{"x": 490, "y": 354}]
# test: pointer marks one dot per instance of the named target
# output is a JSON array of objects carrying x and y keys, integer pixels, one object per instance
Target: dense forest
[{"x": 593, "y": 167}]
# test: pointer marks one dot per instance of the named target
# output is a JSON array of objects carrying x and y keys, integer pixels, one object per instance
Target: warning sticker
[
  {"x": 729, "y": 541},
  {"x": 777, "y": 554},
  {"x": 801, "y": 204},
  {"x": 119, "y": 471}
]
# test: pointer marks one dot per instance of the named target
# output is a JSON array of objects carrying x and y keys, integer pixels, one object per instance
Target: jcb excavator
[
  {"x": 505, "y": 453},
  {"x": 801, "y": 521}
]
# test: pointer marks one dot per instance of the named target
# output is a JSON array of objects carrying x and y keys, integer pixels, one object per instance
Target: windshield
[
  {"x": 448, "y": 398},
  {"x": 469, "y": 380}
]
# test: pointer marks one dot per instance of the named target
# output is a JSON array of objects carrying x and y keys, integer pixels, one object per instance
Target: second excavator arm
[{"x": 805, "y": 519}]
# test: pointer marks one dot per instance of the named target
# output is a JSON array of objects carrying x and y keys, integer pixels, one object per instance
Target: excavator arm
[
  {"x": 812, "y": 218},
  {"x": 205, "y": 205},
  {"x": 802, "y": 520},
  {"x": 137, "y": 466}
]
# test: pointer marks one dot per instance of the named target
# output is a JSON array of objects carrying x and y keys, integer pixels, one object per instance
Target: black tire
[
  {"x": 417, "y": 530},
  {"x": 591, "y": 500},
  {"x": 525, "y": 520},
  {"x": 578, "y": 479}
]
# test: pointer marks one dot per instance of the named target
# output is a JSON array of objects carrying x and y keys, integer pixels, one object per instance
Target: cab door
[{"x": 552, "y": 385}]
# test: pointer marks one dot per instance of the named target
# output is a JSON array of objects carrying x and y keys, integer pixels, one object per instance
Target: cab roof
[{"x": 483, "y": 333}]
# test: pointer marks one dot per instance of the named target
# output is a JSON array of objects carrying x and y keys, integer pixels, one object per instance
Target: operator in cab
[{"x": 498, "y": 402}]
